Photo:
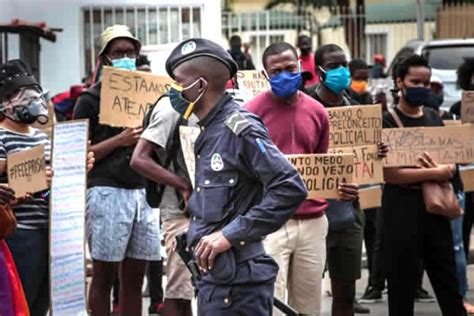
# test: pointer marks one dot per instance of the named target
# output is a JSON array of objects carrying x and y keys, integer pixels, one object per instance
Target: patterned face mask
[{"x": 27, "y": 107}]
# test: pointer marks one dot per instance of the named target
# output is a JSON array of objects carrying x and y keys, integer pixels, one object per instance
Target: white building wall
[{"x": 62, "y": 62}]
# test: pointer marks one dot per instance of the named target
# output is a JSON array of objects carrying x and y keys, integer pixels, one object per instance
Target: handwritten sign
[
  {"x": 27, "y": 171},
  {"x": 126, "y": 96},
  {"x": 322, "y": 173},
  {"x": 67, "y": 218},
  {"x": 252, "y": 82},
  {"x": 467, "y": 107},
  {"x": 467, "y": 176},
  {"x": 188, "y": 136},
  {"x": 370, "y": 197},
  {"x": 450, "y": 144},
  {"x": 355, "y": 125},
  {"x": 367, "y": 167},
  {"x": 451, "y": 123}
]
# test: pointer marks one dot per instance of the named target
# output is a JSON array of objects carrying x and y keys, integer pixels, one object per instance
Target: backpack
[{"x": 154, "y": 191}]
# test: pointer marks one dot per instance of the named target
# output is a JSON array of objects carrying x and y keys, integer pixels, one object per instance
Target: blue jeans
[
  {"x": 459, "y": 254},
  {"x": 30, "y": 250}
]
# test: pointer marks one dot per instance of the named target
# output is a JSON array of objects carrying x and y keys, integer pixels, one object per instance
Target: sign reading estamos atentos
[{"x": 126, "y": 96}]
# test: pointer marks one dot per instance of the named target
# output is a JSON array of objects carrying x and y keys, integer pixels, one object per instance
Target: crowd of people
[{"x": 253, "y": 235}]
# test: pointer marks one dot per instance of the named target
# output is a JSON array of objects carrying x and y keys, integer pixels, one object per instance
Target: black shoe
[
  {"x": 359, "y": 309},
  {"x": 422, "y": 296},
  {"x": 371, "y": 296}
]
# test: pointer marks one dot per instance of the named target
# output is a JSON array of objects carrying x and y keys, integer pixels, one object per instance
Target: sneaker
[
  {"x": 155, "y": 309},
  {"x": 371, "y": 296},
  {"x": 359, "y": 309},
  {"x": 422, "y": 296}
]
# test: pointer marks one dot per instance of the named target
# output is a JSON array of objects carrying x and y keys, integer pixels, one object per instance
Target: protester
[
  {"x": 243, "y": 60},
  {"x": 359, "y": 88},
  {"x": 411, "y": 233},
  {"x": 12, "y": 297},
  {"x": 465, "y": 81},
  {"x": 22, "y": 104},
  {"x": 299, "y": 247},
  {"x": 155, "y": 268},
  {"x": 436, "y": 98},
  {"x": 378, "y": 67},
  {"x": 245, "y": 187},
  {"x": 122, "y": 228},
  {"x": 149, "y": 158},
  {"x": 307, "y": 60},
  {"x": 344, "y": 247}
]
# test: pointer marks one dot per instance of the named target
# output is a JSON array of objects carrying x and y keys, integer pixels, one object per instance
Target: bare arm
[
  {"x": 126, "y": 138},
  {"x": 143, "y": 162},
  {"x": 416, "y": 175}
]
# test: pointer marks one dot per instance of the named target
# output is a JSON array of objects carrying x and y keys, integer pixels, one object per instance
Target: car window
[{"x": 447, "y": 57}]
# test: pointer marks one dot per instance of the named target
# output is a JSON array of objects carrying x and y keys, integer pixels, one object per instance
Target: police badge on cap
[{"x": 198, "y": 47}]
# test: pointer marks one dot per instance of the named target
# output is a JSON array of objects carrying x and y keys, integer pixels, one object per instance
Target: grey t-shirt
[{"x": 162, "y": 124}]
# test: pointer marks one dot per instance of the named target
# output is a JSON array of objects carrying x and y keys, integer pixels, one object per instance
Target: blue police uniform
[{"x": 247, "y": 189}]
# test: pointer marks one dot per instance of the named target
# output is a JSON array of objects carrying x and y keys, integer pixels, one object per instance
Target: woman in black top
[{"x": 412, "y": 234}]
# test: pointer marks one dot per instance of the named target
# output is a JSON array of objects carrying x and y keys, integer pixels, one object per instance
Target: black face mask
[{"x": 29, "y": 114}]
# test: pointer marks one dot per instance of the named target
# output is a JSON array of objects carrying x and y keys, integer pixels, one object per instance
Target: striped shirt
[{"x": 33, "y": 213}]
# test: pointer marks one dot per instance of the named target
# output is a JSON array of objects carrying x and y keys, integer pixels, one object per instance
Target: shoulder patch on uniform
[{"x": 237, "y": 122}]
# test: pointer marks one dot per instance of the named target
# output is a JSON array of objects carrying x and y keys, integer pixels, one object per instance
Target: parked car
[{"x": 444, "y": 56}]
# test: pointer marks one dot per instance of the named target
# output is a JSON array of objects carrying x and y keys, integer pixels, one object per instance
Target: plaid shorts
[{"x": 121, "y": 224}]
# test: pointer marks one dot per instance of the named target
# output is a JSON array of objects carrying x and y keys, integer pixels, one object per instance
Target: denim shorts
[{"x": 121, "y": 224}]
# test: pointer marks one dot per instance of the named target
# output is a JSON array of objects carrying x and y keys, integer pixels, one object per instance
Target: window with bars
[
  {"x": 152, "y": 25},
  {"x": 377, "y": 43}
]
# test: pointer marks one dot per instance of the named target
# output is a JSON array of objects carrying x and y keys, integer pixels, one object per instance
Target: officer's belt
[{"x": 249, "y": 251}]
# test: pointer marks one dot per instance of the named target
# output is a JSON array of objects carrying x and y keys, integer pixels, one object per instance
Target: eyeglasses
[{"x": 117, "y": 54}]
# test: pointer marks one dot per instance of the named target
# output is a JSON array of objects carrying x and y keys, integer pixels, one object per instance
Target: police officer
[{"x": 245, "y": 188}]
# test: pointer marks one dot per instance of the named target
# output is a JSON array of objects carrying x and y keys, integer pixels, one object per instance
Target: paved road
[{"x": 380, "y": 309}]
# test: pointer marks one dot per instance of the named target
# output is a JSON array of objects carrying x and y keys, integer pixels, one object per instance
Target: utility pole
[{"x": 420, "y": 19}]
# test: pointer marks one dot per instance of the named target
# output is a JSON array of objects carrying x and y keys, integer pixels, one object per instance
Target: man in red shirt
[
  {"x": 297, "y": 124},
  {"x": 307, "y": 59}
]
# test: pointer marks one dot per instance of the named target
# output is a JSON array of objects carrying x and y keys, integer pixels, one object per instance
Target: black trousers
[
  {"x": 412, "y": 236},
  {"x": 375, "y": 254}
]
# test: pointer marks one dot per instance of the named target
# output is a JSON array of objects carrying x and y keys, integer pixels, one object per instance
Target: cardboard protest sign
[
  {"x": 27, "y": 171},
  {"x": 451, "y": 123},
  {"x": 67, "y": 218},
  {"x": 188, "y": 136},
  {"x": 355, "y": 125},
  {"x": 467, "y": 176},
  {"x": 450, "y": 144},
  {"x": 370, "y": 197},
  {"x": 467, "y": 107},
  {"x": 252, "y": 82},
  {"x": 322, "y": 173},
  {"x": 367, "y": 167},
  {"x": 126, "y": 96}
]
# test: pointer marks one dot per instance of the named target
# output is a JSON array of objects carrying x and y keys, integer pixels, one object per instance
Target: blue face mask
[
  {"x": 179, "y": 103},
  {"x": 286, "y": 83},
  {"x": 416, "y": 96},
  {"x": 125, "y": 63},
  {"x": 337, "y": 80}
]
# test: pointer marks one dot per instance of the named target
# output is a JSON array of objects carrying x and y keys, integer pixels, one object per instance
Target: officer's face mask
[
  {"x": 285, "y": 84},
  {"x": 180, "y": 103},
  {"x": 416, "y": 96},
  {"x": 336, "y": 80},
  {"x": 27, "y": 107}
]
